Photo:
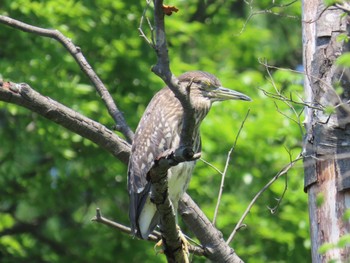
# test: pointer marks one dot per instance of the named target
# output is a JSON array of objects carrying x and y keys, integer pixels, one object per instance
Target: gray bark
[{"x": 327, "y": 141}]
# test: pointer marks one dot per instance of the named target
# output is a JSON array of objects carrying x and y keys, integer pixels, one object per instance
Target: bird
[{"x": 158, "y": 131}]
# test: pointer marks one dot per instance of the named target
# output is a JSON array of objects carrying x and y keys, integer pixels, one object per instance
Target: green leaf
[
  {"x": 326, "y": 247},
  {"x": 344, "y": 60}
]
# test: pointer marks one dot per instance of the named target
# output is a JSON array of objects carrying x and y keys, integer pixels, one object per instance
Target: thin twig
[
  {"x": 223, "y": 174},
  {"x": 278, "y": 175},
  {"x": 154, "y": 237},
  {"x": 125, "y": 229},
  {"x": 279, "y": 200},
  {"x": 210, "y": 165},
  {"x": 253, "y": 13},
  {"x": 84, "y": 65},
  {"x": 143, "y": 17}
]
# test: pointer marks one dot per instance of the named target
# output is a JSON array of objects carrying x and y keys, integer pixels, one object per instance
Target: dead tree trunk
[{"x": 327, "y": 143}]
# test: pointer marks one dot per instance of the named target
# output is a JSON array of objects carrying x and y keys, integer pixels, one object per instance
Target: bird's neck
[{"x": 201, "y": 110}]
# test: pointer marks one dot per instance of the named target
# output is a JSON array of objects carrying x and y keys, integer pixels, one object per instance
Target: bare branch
[
  {"x": 268, "y": 10},
  {"x": 84, "y": 65},
  {"x": 154, "y": 237},
  {"x": 211, "y": 166},
  {"x": 100, "y": 219},
  {"x": 23, "y": 95},
  {"x": 142, "y": 34},
  {"x": 278, "y": 175},
  {"x": 223, "y": 174},
  {"x": 274, "y": 209},
  {"x": 211, "y": 239}
]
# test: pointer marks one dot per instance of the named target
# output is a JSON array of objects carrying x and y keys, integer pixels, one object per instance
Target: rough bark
[{"x": 327, "y": 143}]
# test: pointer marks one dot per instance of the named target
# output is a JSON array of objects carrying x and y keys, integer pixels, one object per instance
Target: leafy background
[{"x": 51, "y": 180}]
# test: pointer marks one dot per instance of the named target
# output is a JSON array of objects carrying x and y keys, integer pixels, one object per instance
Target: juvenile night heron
[{"x": 159, "y": 130}]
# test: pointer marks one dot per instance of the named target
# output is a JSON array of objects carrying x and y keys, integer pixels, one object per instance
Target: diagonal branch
[
  {"x": 84, "y": 65},
  {"x": 282, "y": 172},
  {"x": 23, "y": 95},
  {"x": 223, "y": 174},
  {"x": 211, "y": 239}
]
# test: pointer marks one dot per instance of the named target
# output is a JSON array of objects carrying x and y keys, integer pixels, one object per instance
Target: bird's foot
[
  {"x": 184, "y": 241},
  {"x": 158, "y": 247}
]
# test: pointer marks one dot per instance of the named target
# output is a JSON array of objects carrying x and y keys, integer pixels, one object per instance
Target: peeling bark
[{"x": 327, "y": 143}]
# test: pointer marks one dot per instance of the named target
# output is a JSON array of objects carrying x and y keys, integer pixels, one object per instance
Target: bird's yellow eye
[{"x": 206, "y": 83}]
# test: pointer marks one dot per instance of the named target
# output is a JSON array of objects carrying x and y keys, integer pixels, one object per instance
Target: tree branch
[
  {"x": 84, "y": 65},
  {"x": 211, "y": 239},
  {"x": 154, "y": 237},
  {"x": 282, "y": 172},
  {"x": 162, "y": 69},
  {"x": 23, "y": 95},
  {"x": 223, "y": 174}
]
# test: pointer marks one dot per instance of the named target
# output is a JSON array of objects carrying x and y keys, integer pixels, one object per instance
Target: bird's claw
[
  {"x": 183, "y": 241},
  {"x": 158, "y": 247}
]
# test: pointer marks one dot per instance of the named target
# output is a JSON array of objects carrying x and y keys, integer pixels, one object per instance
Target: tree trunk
[{"x": 327, "y": 141}]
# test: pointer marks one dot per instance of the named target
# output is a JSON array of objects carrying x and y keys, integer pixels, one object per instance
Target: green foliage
[
  {"x": 342, "y": 242},
  {"x": 52, "y": 180},
  {"x": 344, "y": 60},
  {"x": 332, "y": 2}
]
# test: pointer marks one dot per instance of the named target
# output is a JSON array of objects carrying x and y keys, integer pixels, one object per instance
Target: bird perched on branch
[{"x": 158, "y": 131}]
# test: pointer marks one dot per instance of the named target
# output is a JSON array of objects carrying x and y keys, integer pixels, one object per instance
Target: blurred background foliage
[{"x": 51, "y": 180}]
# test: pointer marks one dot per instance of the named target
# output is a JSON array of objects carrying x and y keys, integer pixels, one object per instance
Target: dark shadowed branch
[{"x": 76, "y": 53}]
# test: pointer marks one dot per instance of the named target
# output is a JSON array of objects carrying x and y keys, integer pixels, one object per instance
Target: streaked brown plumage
[{"x": 159, "y": 130}]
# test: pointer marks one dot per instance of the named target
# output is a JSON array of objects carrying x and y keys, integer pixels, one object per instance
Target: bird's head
[{"x": 206, "y": 88}]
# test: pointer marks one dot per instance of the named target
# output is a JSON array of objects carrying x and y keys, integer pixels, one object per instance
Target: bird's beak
[{"x": 221, "y": 93}]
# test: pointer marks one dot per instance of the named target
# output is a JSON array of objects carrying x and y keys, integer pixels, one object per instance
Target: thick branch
[
  {"x": 211, "y": 239},
  {"x": 23, "y": 95},
  {"x": 159, "y": 196},
  {"x": 84, "y": 65}
]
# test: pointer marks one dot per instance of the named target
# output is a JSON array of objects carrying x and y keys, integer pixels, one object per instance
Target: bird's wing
[{"x": 152, "y": 138}]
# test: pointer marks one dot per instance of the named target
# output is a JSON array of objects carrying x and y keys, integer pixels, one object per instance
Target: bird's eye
[{"x": 206, "y": 83}]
